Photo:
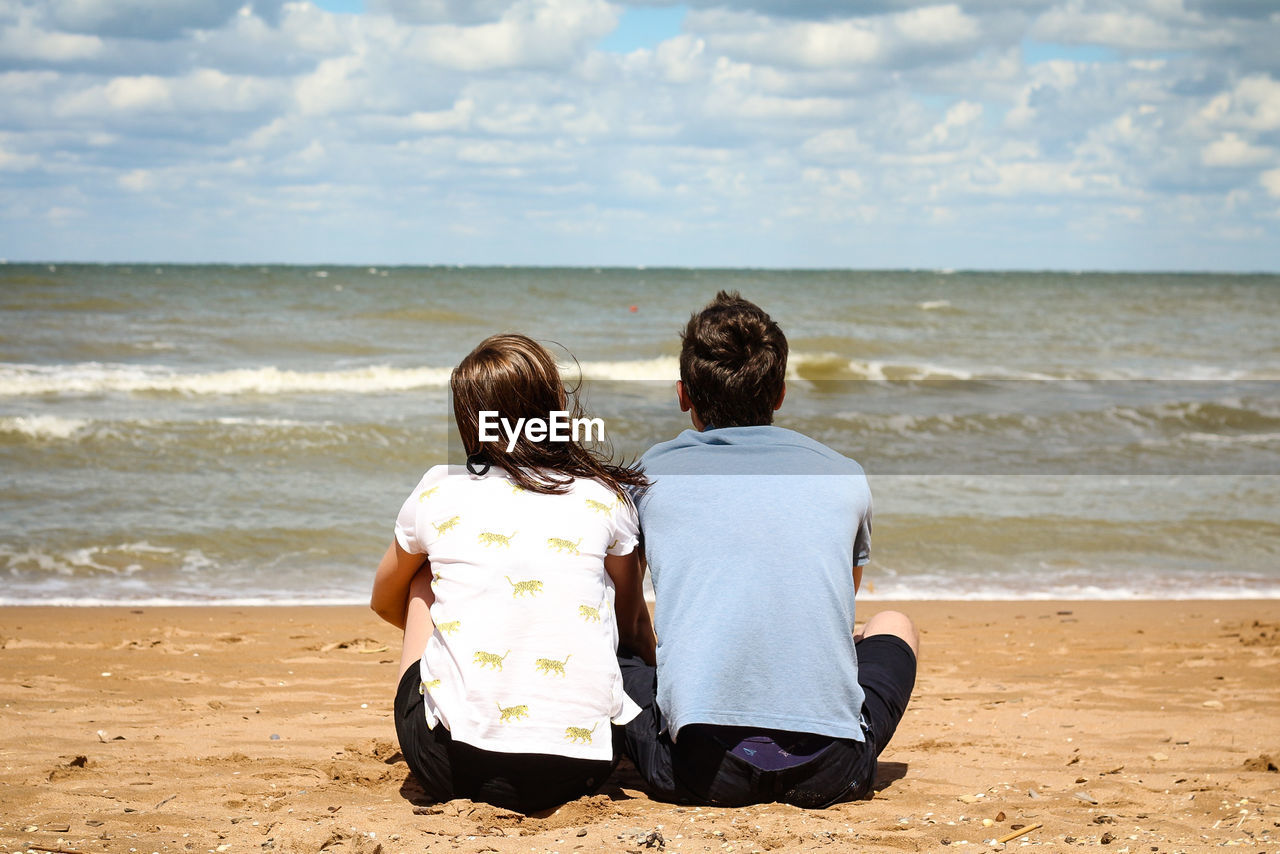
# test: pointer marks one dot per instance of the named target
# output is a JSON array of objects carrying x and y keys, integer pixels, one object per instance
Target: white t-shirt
[{"x": 524, "y": 654}]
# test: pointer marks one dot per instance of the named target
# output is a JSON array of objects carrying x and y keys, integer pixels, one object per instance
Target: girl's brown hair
[{"x": 516, "y": 377}]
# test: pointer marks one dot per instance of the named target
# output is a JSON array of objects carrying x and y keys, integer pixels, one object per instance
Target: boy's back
[{"x": 751, "y": 534}]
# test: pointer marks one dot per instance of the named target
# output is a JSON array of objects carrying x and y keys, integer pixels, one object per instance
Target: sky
[{"x": 989, "y": 134}]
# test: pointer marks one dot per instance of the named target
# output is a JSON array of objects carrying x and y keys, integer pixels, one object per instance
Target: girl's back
[{"x": 523, "y": 654}]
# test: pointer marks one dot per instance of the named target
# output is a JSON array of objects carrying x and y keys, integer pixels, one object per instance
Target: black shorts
[
  {"x": 700, "y": 769},
  {"x": 447, "y": 769}
]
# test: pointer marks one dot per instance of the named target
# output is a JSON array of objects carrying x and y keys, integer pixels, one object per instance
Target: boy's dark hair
[{"x": 733, "y": 362}]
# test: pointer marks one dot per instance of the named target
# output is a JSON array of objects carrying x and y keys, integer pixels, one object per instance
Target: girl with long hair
[{"x": 514, "y": 578}]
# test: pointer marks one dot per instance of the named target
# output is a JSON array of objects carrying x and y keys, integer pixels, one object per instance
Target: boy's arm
[
  {"x": 390, "y": 598},
  {"x": 857, "y": 577},
  {"x": 635, "y": 628}
]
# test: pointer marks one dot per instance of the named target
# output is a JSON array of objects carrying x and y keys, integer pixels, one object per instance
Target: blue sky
[{"x": 1043, "y": 134}]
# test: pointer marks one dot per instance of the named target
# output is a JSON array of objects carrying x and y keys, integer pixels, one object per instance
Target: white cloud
[
  {"x": 1037, "y": 179},
  {"x": 1159, "y": 26},
  {"x": 1232, "y": 151},
  {"x": 800, "y": 45},
  {"x": 764, "y": 121},
  {"x": 25, "y": 41},
  {"x": 59, "y": 215},
  {"x": 681, "y": 59},
  {"x": 936, "y": 25},
  {"x": 138, "y": 180},
  {"x": 644, "y": 184},
  {"x": 11, "y": 161},
  {"x": 834, "y": 182},
  {"x": 540, "y": 34},
  {"x": 768, "y": 109},
  {"x": 1271, "y": 181},
  {"x": 836, "y": 144},
  {"x": 507, "y": 153},
  {"x": 442, "y": 11},
  {"x": 334, "y": 87},
  {"x": 199, "y": 92},
  {"x": 458, "y": 117},
  {"x": 130, "y": 94},
  {"x": 958, "y": 117},
  {"x": 1045, "y": 81},
  {"x": 1253, "y": 104},
  {"x": 908, "y": 37},
  {"x": 145, "y": 19}
]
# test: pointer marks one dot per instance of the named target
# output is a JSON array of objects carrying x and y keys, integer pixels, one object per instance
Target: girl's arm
[
  {"x": 390, "y": 599},
  {"x": 635, "y": 627}
]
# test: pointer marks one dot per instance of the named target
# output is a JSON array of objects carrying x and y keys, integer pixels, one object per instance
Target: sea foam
[
  {"x": 42, "y": 427},
  {"x": 90, "y": 378},
  {"x": 100, "y": 378}
]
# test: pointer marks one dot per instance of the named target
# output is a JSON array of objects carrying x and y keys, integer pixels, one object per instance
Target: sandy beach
[{"x": 1147, "y": 726}]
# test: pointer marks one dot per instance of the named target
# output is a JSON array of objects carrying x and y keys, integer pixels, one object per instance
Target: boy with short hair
[{"x": 756, "y": 537}]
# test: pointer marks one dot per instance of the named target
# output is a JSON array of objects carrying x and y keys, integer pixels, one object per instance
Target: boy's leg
[
  {"x": 893, "y": 623},
  {"x": 699, "y": 770},
  {"x": 641, "y": 738},
  {"x": 886, "y": 650}
]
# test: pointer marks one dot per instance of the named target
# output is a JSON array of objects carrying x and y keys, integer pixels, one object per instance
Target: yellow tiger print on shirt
[
  {"x": 512, "y": 713},
  {"x": 599, "y": 506},
  {"x": 445, "y": 526},
  {"x": 563, "y": 545},
  {"x": 489, "y": 659},
  {"x": 489, "y": 538},
  {"x": 532, "y": 587},
  {"x": 551, "y": 666}
]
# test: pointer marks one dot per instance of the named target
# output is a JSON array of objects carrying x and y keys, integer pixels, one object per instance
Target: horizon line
[{"x": 7, "y": 262}]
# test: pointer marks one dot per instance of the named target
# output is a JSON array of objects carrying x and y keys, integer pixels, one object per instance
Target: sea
[{"x": 245, "y": 435}]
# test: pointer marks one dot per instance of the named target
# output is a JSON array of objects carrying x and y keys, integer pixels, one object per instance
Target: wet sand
[{"x": 1147, "y": 726}]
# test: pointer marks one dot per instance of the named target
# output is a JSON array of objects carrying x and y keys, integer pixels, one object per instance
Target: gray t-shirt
[{"x": 751, "y": 535}]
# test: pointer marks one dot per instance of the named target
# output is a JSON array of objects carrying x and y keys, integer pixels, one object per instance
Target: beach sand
[{"x": 1147, "y": 726}]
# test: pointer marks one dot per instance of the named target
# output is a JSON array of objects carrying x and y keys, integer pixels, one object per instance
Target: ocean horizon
[
  {"x": 243, "y": 434},
  {"x": 411, "y": 265}
]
